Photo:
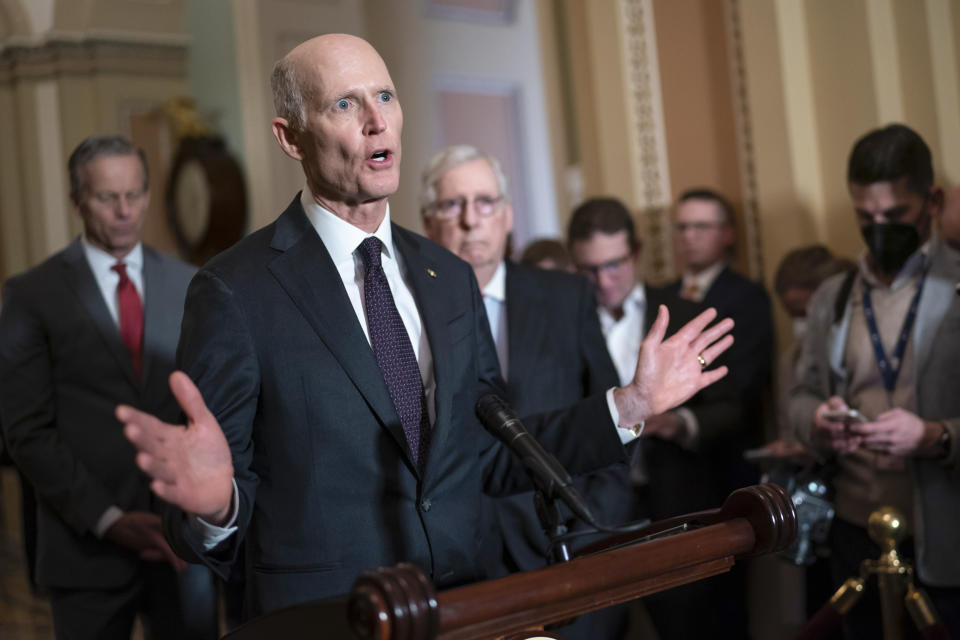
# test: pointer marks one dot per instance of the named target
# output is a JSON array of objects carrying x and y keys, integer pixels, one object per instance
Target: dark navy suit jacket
[
  {"x": 557, "y": 357},
  {"x": 751, "y": 357},
  {"x": 327, "y": 485},
  {"x": 63, "y": 370}
]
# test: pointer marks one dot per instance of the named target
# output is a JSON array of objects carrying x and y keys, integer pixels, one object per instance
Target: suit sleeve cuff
[
  {"x": 107, "y": 520},
  {"x": 691, "y": 434},
  {"x": 210, "y": 535},
  {"x": 626, "y": 434},
  {"x": 953, "y": 427}
]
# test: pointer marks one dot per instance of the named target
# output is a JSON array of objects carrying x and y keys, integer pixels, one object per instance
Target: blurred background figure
[
  {"x": 883, "y": 340},
  {"x": 800, "y": 590},
  {"x": 682, "y": 462},
  {"x": 705, "y": 234},
  {"x": 949, "y": 218},
  {"x": 547, "y": 253},
  {"x": 799, "y": 274},
  {"x": 95, "y": 325}
]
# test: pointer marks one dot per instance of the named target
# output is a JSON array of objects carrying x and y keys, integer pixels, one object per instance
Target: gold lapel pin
[{"x": 431, "y": 273}]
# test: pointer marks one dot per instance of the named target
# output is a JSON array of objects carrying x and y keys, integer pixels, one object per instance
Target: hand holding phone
[{"x": 846, "y": 416}]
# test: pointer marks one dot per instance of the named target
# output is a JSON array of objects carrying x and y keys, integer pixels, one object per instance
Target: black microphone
[{"x": 547, "y": 473}]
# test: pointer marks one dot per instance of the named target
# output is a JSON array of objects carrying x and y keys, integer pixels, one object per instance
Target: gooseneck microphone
[{"x": 547, "y": 473}]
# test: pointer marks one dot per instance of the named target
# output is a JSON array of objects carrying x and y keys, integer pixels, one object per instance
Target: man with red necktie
[{"x": 94, "y": 325}]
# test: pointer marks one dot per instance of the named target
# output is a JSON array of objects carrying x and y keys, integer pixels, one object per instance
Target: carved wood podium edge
[{"x": 400, "y": 603}]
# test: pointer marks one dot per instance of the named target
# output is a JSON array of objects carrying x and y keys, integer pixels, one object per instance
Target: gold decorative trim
[
  {"x": 647, "y": 138},
  {"x": 744, "y": 132}
]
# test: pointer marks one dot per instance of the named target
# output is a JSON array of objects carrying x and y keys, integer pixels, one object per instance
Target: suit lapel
[
  {"x": 716, "y": 294},
  {"x": 91, "y": 299},
  {"x": 434, "y": 313},
  {"x": 154, "y": 304},
  {"x": 939, "y": 293},
  {"x": 306, "y": 272},
  {"x": 525, "y": 331}
]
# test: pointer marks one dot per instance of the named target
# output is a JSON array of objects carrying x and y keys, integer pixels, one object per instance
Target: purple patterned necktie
[{"x": 395, "y": 356}]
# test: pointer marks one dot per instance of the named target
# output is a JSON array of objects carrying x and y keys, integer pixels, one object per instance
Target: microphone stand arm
[{"x": 548, "y": 512}]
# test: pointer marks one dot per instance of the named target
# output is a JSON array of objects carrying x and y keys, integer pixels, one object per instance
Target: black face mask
[{"x": 890, "y": 244}]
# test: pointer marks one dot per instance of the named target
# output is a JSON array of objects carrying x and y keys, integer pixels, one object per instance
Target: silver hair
[
  {"x": 95, "y": 147},
  {"x": 450, "y": 158},
  {"x": 289, "y": 97}
]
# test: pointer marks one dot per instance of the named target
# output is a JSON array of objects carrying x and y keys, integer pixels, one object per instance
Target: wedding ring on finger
[{"x": 701, "y": 360}]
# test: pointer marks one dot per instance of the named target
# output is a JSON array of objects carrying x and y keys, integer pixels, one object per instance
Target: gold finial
[
  {"x": 887, "y": 527},
  {"x": 186, "y": 121}
]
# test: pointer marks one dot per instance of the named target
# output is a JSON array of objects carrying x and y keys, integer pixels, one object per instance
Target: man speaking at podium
[{"x": 341, "y": 357}]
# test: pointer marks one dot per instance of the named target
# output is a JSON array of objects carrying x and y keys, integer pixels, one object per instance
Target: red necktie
[{"x": 131, "y": 316}]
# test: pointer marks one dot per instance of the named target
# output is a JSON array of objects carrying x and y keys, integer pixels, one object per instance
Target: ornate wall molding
[
  {"x": 59, "y": 57},
  {"x": 744, "y": 133},
  {"x": 647, "y": 140}
]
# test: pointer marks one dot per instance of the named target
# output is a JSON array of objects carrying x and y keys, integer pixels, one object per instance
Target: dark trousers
[
  {"x": 711, "y": 608},
  {"x": 170, "y": 605},
  {"x": 28, "y": 510},
  {"x": 849, "y": 546}
]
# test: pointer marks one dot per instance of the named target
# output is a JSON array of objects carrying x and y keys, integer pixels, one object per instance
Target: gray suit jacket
[
  {"x": 936, "y": 336},
  {"x": 63, "y": 370}
]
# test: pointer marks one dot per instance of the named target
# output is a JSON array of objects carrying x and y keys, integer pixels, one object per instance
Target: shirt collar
[
  {"x": 497, "y": 287},
  {"x": 101, "y": 262},
  {"x": 704, "y": 279},
  {"x": 635, "y": 302},
  {"x": 339, "y": 236},
  {"x": 910, "y": 270}
]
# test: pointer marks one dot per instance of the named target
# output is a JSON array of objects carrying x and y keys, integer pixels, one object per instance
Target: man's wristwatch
[{"x": 942, "y": 445}]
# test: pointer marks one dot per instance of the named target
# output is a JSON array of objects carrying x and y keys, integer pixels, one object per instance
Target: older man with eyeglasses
[{"x": 547, "y": 336}]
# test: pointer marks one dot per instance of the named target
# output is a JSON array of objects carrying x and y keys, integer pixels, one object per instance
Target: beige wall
[
  {"x": 698, "y": 102},
  {"x": 820, "y": 74},
  {"x": 763, "y": 100},
  {"x": 69, "y": 69},
  {"x": 634, "y": 98}
]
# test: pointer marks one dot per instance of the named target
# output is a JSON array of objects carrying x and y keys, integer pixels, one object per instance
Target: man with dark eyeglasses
[{"x": 682, "y": 462}]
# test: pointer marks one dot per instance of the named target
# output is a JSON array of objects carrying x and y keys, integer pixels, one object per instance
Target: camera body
[{"x": 812, "y": 498}]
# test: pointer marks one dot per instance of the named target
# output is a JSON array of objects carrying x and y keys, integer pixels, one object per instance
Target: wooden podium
[{"x": 400, "y": 603}]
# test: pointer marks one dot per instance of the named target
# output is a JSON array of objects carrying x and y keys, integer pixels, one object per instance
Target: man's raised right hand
[{"x": 190, "y": 465}]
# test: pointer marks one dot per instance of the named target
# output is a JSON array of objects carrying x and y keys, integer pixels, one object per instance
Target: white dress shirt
[
  {"x": 107, "y": 279},
  {"x": 495, "y": 302},
  {"x": 341, "y": 240},
  {"x": 623, "y": 338}
]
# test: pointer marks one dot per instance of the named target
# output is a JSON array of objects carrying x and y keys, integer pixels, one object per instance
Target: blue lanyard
[{"x": 890, "y": 367}]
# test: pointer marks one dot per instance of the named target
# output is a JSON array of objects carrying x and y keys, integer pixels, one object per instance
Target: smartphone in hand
[{"x": 848, "y": 416}]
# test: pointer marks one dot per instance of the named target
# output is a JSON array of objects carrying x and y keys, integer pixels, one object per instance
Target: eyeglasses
[
  {"x": 699, "y": 227},
  {"x": 483, "y": 206},
  {"x": 607, "y": 268},
  {"x": 112, "y": 198}
]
